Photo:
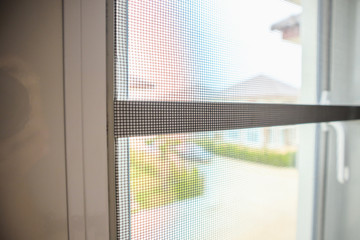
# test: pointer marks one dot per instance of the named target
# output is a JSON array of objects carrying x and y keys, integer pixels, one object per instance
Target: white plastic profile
[{"x": 343, "y": 172}]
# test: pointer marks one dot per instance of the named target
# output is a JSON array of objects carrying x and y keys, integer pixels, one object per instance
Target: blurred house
[
  {"x": 263, "y": 89},
  {"x": 157, "y": 63},
  {"x": 290, "y": 26},
  {"x": 298, "y": 2}
]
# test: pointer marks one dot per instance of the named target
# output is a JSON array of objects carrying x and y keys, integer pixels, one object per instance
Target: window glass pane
[
  {"x": 218, "y": 50},
  {"x": 234, "y": 184},
  {"x": 256, "y": 183}
]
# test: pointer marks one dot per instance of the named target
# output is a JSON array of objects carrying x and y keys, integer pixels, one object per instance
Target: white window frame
[{"x": 85, "y": 118}]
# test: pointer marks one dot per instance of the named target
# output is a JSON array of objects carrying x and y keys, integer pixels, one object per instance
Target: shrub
[
  {"x": 264, "y": 156},
  {"x": 152, "y": 184}
]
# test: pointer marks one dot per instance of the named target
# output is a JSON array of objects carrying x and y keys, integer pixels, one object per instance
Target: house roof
[
  {"x": 289, "y": 22},
  {"x": 290, "y": 28},
  {"x": 259, "y": 87},
  {"x": 298, "y": 2}
]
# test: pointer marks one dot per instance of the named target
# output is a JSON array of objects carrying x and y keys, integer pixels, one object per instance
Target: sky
[
  {"x": 212, "y": 44},
  {"x": 253, "y": 48}
]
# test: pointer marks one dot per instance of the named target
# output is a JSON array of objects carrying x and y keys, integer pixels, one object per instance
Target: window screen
[
  {"x": 206, "y": 108},
  {"x": 212, "y": 50},
  {"x": 213, "y": 185}
]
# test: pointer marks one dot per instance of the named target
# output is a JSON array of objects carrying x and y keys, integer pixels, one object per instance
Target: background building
[{"x": 262, "y": 89}]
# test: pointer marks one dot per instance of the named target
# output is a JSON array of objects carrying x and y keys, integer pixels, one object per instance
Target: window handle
[{"x": 343, "y": 172}]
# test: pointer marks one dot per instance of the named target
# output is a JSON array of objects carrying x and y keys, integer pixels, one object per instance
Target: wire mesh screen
[
  {"x": 122, "y": 169},
  {"x": 216, "y": 184},
  {"x": 214, "y": 50}
]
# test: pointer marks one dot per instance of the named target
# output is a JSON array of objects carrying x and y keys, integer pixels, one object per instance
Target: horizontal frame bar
[{"x": 138, "y": 118}]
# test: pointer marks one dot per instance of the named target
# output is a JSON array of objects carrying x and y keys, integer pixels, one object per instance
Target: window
[{"x": 208, "y": 103}]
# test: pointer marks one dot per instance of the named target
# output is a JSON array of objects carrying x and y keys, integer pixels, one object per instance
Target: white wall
[{"x": 32, "y": 157}]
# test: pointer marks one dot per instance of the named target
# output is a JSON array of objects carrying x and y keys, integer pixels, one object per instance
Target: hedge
[{"x": 236, "y": 151}]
